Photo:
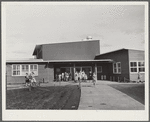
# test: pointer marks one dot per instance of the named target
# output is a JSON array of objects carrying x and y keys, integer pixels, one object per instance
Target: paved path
[{"x": 104, "y": 97}]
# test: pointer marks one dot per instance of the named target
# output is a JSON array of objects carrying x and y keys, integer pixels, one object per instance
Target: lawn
[
  {"x": 53, "y": 97},
  {"x": 136, "y": 91}
]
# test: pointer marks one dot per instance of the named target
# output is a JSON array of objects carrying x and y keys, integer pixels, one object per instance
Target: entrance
[
  {"x": 72, "y": 70},
  {"x": 86, "y": 69}
]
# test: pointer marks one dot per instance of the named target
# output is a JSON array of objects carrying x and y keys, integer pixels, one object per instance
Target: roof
[
  {"x": 56, "y": 61},
  {"x": 37, "y": 47},
  {"x": 99, "y": 60},
  {"x": 118, "y": 50},
  {"x": 25, "y": 61}
]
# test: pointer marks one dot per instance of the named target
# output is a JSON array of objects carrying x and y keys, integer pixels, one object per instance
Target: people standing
[
  {"x": 32, "y": 78},
  {"x": 27, "y": 79},
  {"x": 80, "y": 76},
  {"x": 94, "y": 78},
  {"x": 59, "y": 76},
  {"x": 62, "y": 76},
  {"x": 67, "y": 76},
  {"x": 139, "y": 77},
  {"x": 76, "y": 77},
  {"x": 85, "y": 77},
  {"x": 90, "y": 76}
]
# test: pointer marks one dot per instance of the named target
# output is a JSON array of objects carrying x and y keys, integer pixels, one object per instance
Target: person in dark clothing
[
  {"x": 27, "y": 79},
  {"x": 90, "y": 76}
]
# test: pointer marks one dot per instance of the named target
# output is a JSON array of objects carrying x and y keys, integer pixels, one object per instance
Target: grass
[
  {"x": 53, "y": 97},
  {"x": 136, "y": 91}
]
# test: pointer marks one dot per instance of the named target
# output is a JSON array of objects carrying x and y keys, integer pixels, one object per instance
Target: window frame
[
  {"x": 29, "y": 69},
  {"x": 16, "y": 70},
  {"x": 137, "y": 67},
  {"x": 101, "y": 69},
  {"x": 117, "y": 68}
]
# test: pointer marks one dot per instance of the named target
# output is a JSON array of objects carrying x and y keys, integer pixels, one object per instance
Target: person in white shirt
[
  {"x": 76, "y": 77},
  {"x": 62, "y": 76}
]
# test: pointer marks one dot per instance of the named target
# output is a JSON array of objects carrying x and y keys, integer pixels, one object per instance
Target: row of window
[
  {"x": 21, "y": 70},
  {"x": 137, "y": 66}
]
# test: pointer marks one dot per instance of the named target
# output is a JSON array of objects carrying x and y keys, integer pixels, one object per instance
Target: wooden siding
[
  {"x": 44, "y": 72},
  {"x": 136, "y": 55},
  {"x": 134, "y": 77},
  {"x": 84, "y": 50},
  {"x": 116, "y": 56}
]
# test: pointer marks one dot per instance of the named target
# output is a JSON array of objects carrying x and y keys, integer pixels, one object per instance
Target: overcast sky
[{"x": 116, "y": 26}]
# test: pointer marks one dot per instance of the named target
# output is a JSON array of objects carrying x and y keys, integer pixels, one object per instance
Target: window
[
  {"x": 133, "y": 66},
  {"x": 16, "y": 70},
  {"x": 21, "y": 70},
  {"x": 117, "y": 68},
  {"x": 25, "y": 69},
  {"x": 99, "y": 69},
  {"x": 137, "y": 66},
  {"x": 33, "y": 68},
  {"x": 141, "y": 66}
]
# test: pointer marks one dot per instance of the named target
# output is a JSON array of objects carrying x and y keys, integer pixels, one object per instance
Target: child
[
  {"x": 32, "y": 78},
  {"x": 94, "y": 78},
  {"x": 27, "y": 79}
]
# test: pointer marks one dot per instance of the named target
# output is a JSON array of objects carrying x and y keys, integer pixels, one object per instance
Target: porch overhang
[
  {"x": 59, "y": 61},
  {"x": 80, "y": 61}
]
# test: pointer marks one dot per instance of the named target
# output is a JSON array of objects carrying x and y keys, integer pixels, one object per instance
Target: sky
[{"x": 29, "y": 24}]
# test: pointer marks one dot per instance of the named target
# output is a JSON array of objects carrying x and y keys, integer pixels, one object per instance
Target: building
[
  {"x": 53, "y": 59},
  {"x": 126, "y": 65}
]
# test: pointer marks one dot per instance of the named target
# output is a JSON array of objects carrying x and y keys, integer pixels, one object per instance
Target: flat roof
[
  {"x": 56, "y": 61},
  {"x": 118, "y": 50}
]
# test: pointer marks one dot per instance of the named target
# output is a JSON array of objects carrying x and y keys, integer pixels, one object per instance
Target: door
[{"x": 99, "y": 73}]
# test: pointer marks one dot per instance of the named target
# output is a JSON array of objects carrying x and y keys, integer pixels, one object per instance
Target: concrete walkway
[{"x": 104, "y": 97}]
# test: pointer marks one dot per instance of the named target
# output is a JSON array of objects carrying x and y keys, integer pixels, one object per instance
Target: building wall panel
[
  {"x": 117, "y": 56},
  {"x": 136, "y": 55},
  {"x": 134, "y": 77},
  {"x": 44, "y": 73},
  {"x": 84, "y": 50}
]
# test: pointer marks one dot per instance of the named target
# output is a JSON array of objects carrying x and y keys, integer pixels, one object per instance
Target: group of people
[
  {"x": 64, "y": 76},
  {"x": 30, "y": 79},
  {"x": 82, "y": 76}
]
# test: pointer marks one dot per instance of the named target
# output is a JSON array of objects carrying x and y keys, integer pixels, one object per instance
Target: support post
[
  {"x": 124, "y": 79},
  {"x": 96, "y": 70},
  {"x": 74, "y": 71}
]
